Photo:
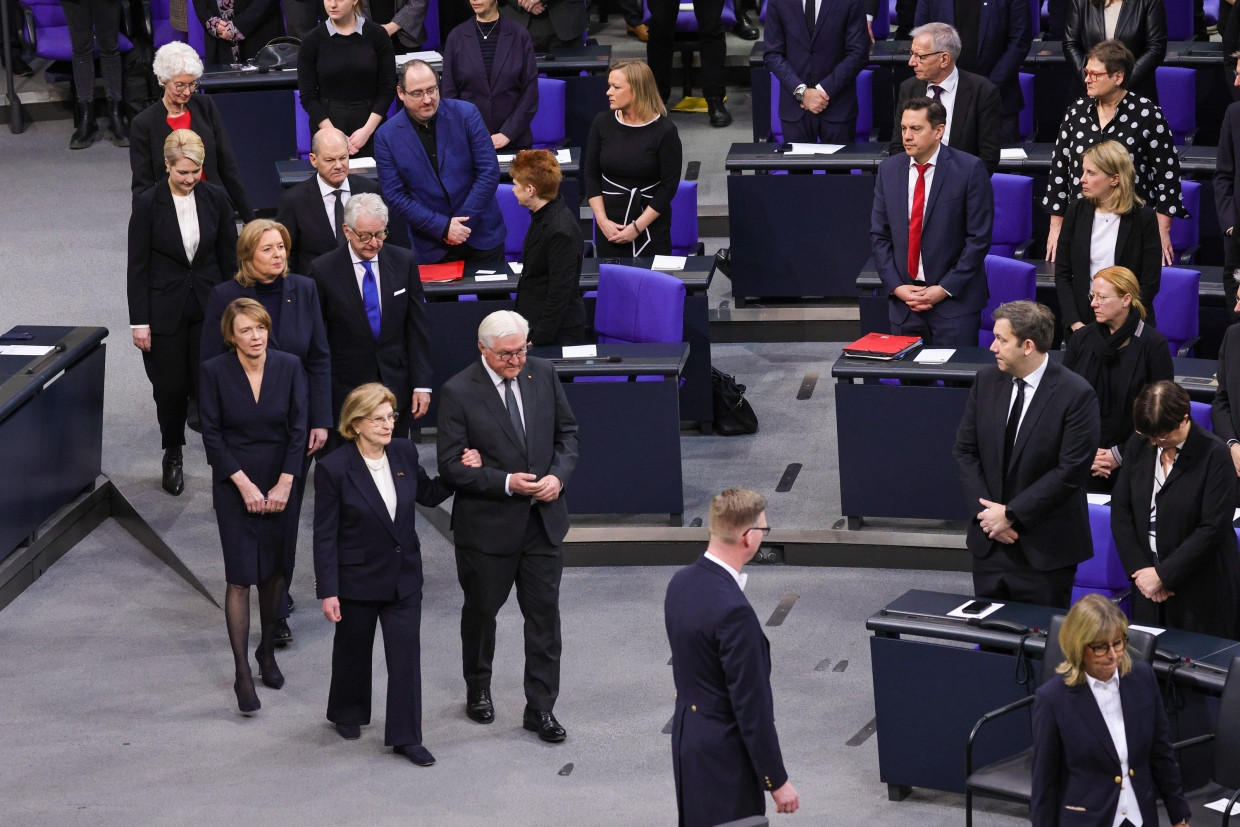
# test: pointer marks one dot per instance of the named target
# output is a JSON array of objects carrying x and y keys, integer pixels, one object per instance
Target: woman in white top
[{"x": 182, "y": 242}]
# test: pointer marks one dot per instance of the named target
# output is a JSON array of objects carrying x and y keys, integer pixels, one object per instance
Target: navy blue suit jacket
[
  {"x": 955, "y": 231},
  {"x": 1076, "y": 767},
  {"x": 300, "y": 332},
  {"x": 1004, "y": 34},
  {"x": 833, "y": 57},
  {"x": 725, "y": 751},
  {"x": 508, "y": 99},
  {"x": 464, "y": 184},
  {"x": 360, "y": 552}
]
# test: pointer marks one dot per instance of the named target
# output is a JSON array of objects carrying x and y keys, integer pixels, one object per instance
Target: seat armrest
[
  {"x": 1187, "y": 346},
  {"x": 1019, "y": 703},
  {"x": 1193, "y": 742}
]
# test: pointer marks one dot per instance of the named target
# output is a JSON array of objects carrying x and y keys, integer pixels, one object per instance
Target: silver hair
[
  {"x": 316, "y": 143},
  {"x": 174, "y": 59},
  {"x": 942, "y": 36},
  {"x": 503, "y": 323},
  {"x": 363, "y": 204}
]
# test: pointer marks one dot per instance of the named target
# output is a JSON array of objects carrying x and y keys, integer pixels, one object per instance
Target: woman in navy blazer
[
  {"x": 182, "y": 242},
  {"x": 368, "y": 566},
  {"x": 297, "y": 327},
  {"x": 1101, "y": 742},
  {"x": 505, "y": 89},
  {"x": 253, "y": 408}
]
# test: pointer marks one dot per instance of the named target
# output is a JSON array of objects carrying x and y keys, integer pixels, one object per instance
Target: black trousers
[
  {"x": 1005, "y": 574},
  {"x": 811, "y": 128},
  {"x": 348, "y": 700},
  {"x": 941, "y": 331},
  {"x": 487, "y": 580},
  {"x": 95, "y": 23},
  {"x": 661, "y": 46},
  {"x": 172, "y": 366}
]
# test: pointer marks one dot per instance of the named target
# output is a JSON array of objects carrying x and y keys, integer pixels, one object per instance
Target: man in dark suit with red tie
[
  {"x": 816, "y": 49},
  {"x": 930, "y": 229},
  {"x": 1024, "y": 450},
  {"x": 725, "y": 751}
]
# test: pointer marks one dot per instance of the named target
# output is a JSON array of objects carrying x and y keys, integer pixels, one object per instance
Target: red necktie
[{"x": 914, "y": 220}]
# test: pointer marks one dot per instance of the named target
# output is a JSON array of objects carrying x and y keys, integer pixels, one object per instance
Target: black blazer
[
  {"x": 472, "y": 415},
  {"x": 1198, "y": 556},
  {"x": 1138, "y": 247},
  {"x": 1004, "y": 35},
  {"x": 1226, "y": 164},
  {"x": 725, "y": 750},
  {"x": 299, "y": 331},
  {"x": 160, "y": 277},
  {"x": 508, "y": 99},
  {"x": 1224, "y": 416},
  {"x": 302, "y": 214},
  {"x": 258, "y": 20},
  {"x": 1142, "y": 26},
  {"x": 360, "y": 552},
  {"x": 1050, "y": 463},
  {"x": 150, "y": 129},
  {"x": 977, "y": 118},
  {"x": 1074, "y": 759},
  {"x": 401, "y": 359},
  {"x": 569, "y": 18},
  {"x": 549, "y": 293}
]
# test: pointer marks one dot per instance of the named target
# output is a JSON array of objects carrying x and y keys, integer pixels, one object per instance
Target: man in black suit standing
[
  {"x": 509, "y": 517},
  {"x": 725, "y": 751},
  {"x": 377, "y": 330},
  {"x": 1023, "y": 450},
  {"x": 313, "y": 211},
  {"x": 974, "y": 108}
]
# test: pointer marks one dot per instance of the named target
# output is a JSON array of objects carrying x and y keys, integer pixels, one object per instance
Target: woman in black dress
[
  {"x": 1112, "y": 112},
  {"x": 1118, "y": 354},
  {"x": 253, "y": 408},
  {"x": 181, "y": 226},
  {"x": 346, "y": 75},
  {"x": 631, "y": 166},
  {"x": 238, "y": 29}
]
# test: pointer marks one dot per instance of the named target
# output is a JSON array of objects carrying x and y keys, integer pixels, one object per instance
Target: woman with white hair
[{"x": 178, "y": 67}]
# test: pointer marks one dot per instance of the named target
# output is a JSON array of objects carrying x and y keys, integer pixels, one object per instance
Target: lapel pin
[{"x": 400, "y": 473}]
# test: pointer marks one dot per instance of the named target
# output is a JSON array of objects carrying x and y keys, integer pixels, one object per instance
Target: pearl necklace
[
  {"x": 491, "y": 31},
  {"x": 375, "y": 465}
]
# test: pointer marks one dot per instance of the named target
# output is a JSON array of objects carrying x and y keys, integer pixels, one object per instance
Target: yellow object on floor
[{"x": 697, "y": 105}]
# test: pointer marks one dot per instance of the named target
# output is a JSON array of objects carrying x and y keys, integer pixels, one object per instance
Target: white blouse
[{"x": 187, "y": 220}]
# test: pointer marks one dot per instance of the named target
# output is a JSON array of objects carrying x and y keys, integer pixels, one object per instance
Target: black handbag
[
  {"x": 279, "y": 53},
  {"x": 733, "y": 413}
]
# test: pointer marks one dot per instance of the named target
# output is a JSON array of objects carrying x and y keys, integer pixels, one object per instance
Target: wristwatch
[{"x": 799, "y": 92}]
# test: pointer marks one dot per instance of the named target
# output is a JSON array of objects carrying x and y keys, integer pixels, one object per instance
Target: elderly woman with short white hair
[{"x": 177, "y": 68}]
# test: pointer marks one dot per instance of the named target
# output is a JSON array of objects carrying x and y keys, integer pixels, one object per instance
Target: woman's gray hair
[
  {"x": 943, "y": 37},
  {"x": 503, "y": 323},
  {"x": 365, "y": 203},
  {"x": 174, "y": 59}
]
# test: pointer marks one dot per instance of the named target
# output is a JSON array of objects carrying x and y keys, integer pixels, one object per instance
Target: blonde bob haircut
[
  {"x": 1112, "y": 159},
  {"x": 361, "y": 403},
  {"x": 242, "y": 307},
  {"x": 1125, "y": 284},
  {"x": 733, "y": 511},
  {"x": 1093, "y": 619},
  {"x": 247, "y": 243},
  {"x": 647, "y": 102},
  {"x": 184, "y": 143}
]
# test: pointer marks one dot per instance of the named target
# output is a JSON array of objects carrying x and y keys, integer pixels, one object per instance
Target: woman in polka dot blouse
[{"x": 1110, "y": 112}]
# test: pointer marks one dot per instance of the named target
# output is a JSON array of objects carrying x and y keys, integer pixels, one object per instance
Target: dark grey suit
[
  {"x": 302, "y": 213},
  {"x": 977, "y": 118}
]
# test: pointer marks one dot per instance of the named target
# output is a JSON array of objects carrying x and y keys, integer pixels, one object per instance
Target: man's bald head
[{"x": 329, "y": 152}]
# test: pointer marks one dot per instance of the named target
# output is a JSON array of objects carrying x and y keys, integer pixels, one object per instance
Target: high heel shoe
[
  {"x": 247, "y": 698},
  {"x": 268, "y": 670}
]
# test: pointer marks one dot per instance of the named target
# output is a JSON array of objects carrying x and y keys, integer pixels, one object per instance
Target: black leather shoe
[
  {"x": 745, "y": 29},
  {"x": 545, "y": 724},
  {"x": 416, "y": 753},
  {"x": 118, "y": 134},
  {"x": 478, "y": 706},
  {"x": 174, "y": 473},
  {"x": 86, "y": 130},
  {"x": 283, "y": 635},
  {"x": 21, "y": 69},
  {"x": 349, "y": 732},
  {"x": 719, "y": 114}
]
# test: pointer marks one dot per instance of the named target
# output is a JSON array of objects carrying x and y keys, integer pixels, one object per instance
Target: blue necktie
[{"x": 370, "y": 298}]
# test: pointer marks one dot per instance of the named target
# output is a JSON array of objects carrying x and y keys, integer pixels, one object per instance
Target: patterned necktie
[
  {"x": 514, "y": 411},
  {"x": 370, "y": 299},
  {"x": 811, "y": 16},
  {"x": 914, "y": 221}
]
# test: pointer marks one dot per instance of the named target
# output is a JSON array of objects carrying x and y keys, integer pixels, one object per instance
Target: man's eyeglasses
[
  {"x": 1100, "y": 649},
  {"x": 1088, "y": 75},
  {"x": 182, "y": 88},
  {"x": 366, "y": 237},
  {"x": 419, "y": 94},
  {"x": 509, "y": 355},
  {"x": 920, "y": 58},
  {"x": 765, "y": 529}
]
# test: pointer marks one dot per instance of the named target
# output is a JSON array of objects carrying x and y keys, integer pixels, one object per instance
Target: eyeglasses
[
  {"x": 1100, "y": 649},
  {"x": 1088, "y": 75},
  {"x": 366, "y": 237},
  {"x": 380, "y": 421},
  {"x": 1094, "y": 296},
  {"x": 923, "y": 58},
  {"x": 182, "y": 88},
  {"x": 765, "y": 529},
  {"x": 419, "y": 94},
  {"x": 509, "y": 355}
]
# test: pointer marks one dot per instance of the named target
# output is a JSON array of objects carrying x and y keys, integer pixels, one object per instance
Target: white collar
[
  {"x": 933, "y": 161},
  {"x": 1101, "y": 686},
  {"x": 326, "y": 189},
  {"x": 1035, "y": 376},
  {"x": 736, "y": 575},
  {"x": 332, "y": 30}
]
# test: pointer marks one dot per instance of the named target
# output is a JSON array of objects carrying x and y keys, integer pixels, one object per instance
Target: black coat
[
  {"x": 1142, "y": 26},
  {"x": 977, "y": 118},
  {"x": 258, "y": 20},
  {"x": 549, "y": 293},
  {"x": 150, "y": 129},
  {"x": 1138, "y": 247},
  {"x": 160, "y": 279},
  {"x": 1225, "y": 415},
  {"x": 302, "y": 213},
  {"x": 1226, "y": 165}
]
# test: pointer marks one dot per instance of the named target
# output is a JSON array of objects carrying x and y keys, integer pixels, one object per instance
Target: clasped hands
[
  {"x": 920, "y": 298},
  {"x": 993, "y": 520},
  {"x": 1104, "y": 463},
  {"x": 544, "y": 489},
  {"x": 814, "y": 101},
  {"x": 273, "y": 502},
  {"x": 534, "y": 7},
  {"x": 618, "y": 233},
  {"x": 1151, "y": 585}
]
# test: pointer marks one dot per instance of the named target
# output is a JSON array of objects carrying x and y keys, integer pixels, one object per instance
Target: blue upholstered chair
[
  {"x": 685, "y": 221},
  {"x": 197, "y": 34},
  {"x": 1177, "y": 94},
  {"x": 1201, "y": 415},
  {"x": 1185, "y": 234},
  {"x": 1028, "y": 123},
  {"x": 1179, "y": 21},
  {"x": 548, "y": 124},
  {"x": 1103, "y": 573},
  {"x": 156, "y": 15},
  {"x": 1013, "y": 224},
  {"x": 1008, "y": 280},
  {"x": 637, "y": 305},
  {"x": 516, "y": 221},
  {"x": 46, "y": 31},
  {"x": 1176, "y": 306}
]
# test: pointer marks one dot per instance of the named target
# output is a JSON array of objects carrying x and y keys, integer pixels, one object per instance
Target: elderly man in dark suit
[
  {"x": 1024, "y": 450},
  {"x": 313, "y": 211},
  {"x": 725, "y": 751},
  {"x": 817, "y": 66},
  {"x": 373, "y": 307},
  {"x": 972, "y": 103},
  {"x": 509, "y": 517},
  {"x": 933, "y": 211},
  {"x": 994, "y": 39}
]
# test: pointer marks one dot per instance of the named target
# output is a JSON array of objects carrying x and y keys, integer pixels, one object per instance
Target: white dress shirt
[
  {"x": 912, "y": 186},
  {"x": 187, "y": 220},
  {"x": 384, "y": 482},
  {"x": 948, "y": 98},
  {"x": 1102, "y": 240},
  {"x": 1160, "y": 479},
  {"x": 740, "y": 578},
  {"x": 1106, "y": 694},
  {"x": 1031, "y": 387}
]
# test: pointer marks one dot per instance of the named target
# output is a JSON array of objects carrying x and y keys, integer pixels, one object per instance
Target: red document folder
[
  {"x": 450, "y": 271},
  {"x": 882, "y": 346}
]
